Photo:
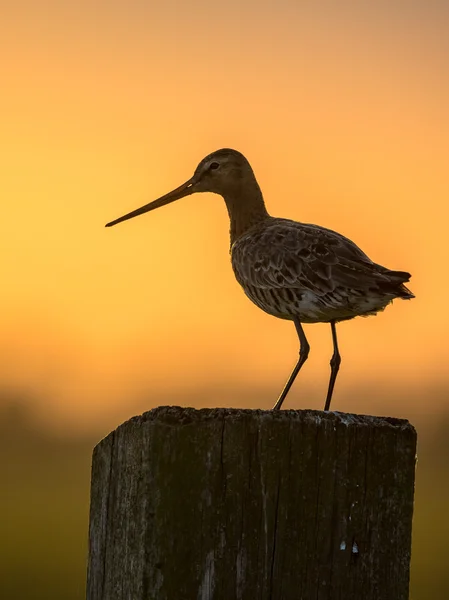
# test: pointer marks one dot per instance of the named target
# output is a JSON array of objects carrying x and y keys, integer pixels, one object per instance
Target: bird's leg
[
  {"x": 335, "y": 365},
  {"x": 303, "y": 354}
]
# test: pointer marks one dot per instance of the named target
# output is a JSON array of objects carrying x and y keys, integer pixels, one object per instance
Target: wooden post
[{"x": 227, "y": 504}]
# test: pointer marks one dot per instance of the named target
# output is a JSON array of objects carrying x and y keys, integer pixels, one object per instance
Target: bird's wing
[{"x": 288, "y": 254}]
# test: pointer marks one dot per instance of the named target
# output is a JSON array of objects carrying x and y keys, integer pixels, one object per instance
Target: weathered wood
[{"x": 224, "y": 504}]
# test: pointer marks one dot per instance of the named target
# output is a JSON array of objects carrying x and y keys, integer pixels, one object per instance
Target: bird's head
[{"x": 220, "y": 172}]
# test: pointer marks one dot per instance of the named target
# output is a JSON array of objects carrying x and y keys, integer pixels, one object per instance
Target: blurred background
[{"x": 341, "y": 108}]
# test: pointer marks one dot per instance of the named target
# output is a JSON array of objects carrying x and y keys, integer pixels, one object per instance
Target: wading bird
[{"x": 296, "y": 271}]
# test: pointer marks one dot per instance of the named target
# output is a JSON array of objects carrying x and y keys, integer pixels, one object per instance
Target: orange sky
[{"x": 341, "y": 111}]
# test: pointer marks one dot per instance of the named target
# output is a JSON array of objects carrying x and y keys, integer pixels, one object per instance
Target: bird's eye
[{"x": 213, "y": 166}]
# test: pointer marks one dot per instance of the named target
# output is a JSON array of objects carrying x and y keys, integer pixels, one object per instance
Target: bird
[{"x": 295, "y": 271}]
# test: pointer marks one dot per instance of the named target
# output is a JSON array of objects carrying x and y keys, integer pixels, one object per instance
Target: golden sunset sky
[{"x": 342, "y": 110}]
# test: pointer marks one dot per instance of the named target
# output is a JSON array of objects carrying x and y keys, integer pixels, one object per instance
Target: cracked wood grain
[{"x": 226, "y": 504}]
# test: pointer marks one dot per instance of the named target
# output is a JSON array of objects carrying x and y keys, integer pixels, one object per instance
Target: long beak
[{"x": 185, "y": 189}]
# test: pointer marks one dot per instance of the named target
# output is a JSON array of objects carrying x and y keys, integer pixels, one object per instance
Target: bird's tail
[{"x": 397, "y": 279}]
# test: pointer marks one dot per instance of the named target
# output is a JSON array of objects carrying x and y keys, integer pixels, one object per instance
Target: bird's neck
[{"x": 246, "y": 208}]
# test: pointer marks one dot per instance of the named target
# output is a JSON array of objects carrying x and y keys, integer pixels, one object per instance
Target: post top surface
[{"x": 178, "y": 416}]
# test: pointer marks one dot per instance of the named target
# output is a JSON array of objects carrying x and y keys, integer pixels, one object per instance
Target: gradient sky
[{"x": 341, "y": 108}]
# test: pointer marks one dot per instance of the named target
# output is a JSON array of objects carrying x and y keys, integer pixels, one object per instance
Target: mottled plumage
[{"x": 291, "y": 270}]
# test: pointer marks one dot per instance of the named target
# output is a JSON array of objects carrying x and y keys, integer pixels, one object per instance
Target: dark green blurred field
[{"x": 45, "y": 500}]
